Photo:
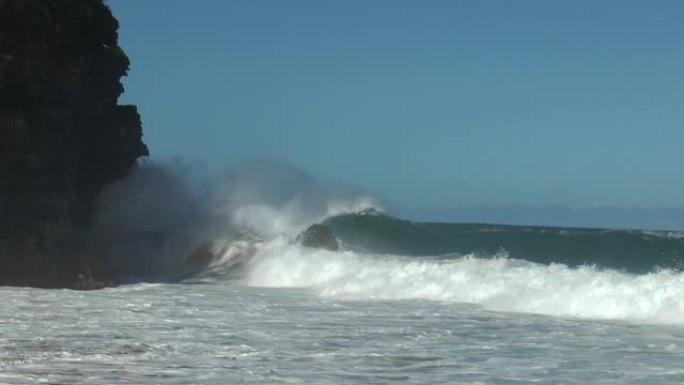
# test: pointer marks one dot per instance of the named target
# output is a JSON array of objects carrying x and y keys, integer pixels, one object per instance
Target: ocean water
[{"x": 289, "y": 315}]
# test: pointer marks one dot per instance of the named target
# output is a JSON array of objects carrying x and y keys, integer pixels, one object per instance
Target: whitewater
[
  {"x": 399, "y": 302},
  {"x": 498, "y": 283},
  {"x": 289, "y": 314}
]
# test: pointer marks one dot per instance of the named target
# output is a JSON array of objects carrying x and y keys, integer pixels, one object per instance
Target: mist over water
[
  {"x": 152, "y": 220},
  {"x": 274, "y": 198}
]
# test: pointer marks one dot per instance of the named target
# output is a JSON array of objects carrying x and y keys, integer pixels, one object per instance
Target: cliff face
[{"x": 62, "y": 134}]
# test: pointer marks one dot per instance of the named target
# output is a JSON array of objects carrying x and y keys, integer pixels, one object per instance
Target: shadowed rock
[
  {"x": 320, "y": 237},
  {"x": 62, "y": 134}
]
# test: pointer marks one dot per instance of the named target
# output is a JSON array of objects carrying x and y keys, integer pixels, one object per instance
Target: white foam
[
  {"x": 497, "y": 284},
  {"x": 295, "y": 215}
]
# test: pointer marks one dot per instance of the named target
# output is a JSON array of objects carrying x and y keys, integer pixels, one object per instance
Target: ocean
[{"x": 400, "y": 302}]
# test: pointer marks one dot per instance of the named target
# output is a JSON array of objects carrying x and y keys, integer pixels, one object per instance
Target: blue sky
[{"x": 432, "y": 104}]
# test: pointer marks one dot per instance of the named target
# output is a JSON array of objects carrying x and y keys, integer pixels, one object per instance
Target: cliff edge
[{"x": 62, "y": 134}]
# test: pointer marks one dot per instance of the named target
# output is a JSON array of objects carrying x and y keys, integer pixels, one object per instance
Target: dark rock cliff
[{"x": 62, "y": 134}]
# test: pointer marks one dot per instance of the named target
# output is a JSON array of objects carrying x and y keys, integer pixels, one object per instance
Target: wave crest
[
  {"x": 500, "y": 283},
  {"x": 625, "y": 250}
]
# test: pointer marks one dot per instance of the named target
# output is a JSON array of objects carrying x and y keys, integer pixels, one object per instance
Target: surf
[
  {"x": 498, "y": 283},
  {"x": 244, "y": 227},
  {"x": 631, "y": 251}
]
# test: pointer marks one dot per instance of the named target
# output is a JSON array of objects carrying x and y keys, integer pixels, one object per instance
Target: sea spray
[
  {"x": 274, "y": 198},
  {"x": 246, "y": 219},
  {"x": 167, "y": 215}
]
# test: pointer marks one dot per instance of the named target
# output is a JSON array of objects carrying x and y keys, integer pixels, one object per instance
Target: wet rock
[
  {"x": 319, "y": 236},
  {"x": 85, "y": 281}
]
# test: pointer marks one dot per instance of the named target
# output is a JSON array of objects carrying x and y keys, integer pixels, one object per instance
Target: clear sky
[{"x": 429, "y": 103}]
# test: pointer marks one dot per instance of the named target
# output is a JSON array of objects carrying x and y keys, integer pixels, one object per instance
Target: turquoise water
[{"x": 629, "y": 250}]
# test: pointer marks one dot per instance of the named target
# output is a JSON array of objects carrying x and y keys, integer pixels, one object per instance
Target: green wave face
[{"x": 625, "y": 250}]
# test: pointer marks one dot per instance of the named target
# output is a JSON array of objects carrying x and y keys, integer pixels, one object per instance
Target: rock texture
[
  {"x": 62, "y": 134},
  {"x": 320, "y": 237}
]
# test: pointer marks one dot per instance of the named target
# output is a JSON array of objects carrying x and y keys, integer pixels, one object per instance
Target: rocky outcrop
[
  {"x": 319, "y": 236},
  {"x": 62, "y": 134}
]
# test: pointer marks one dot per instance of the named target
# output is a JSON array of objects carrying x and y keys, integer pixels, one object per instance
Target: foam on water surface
[
  {"x": 495, "y": 283},
  {"x": 219, "y": 331}
]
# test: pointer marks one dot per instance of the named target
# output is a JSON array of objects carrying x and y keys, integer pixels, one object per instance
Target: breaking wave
[
  {"x": 497, "y": 283},
  {"x": 157, "y": 221},
  {"x": 585, "y": 273},
  {"x": 632, "y": 251}
]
